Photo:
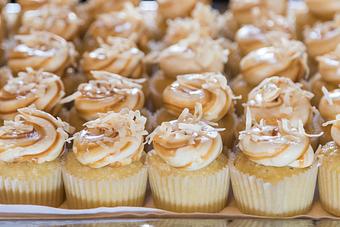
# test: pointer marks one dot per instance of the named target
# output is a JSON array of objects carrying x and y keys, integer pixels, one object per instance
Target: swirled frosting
[
  {"x": 280, "y": 98},
  {"x": 186, "y": 143},
  {"x": 322, "y": 37},
  {"x": 113, "y": 139},
  {"x": 116, "y": 55},
  {"x": 209, "y": 89},
  {"x": 193, "y": 55},
  {"x": 329, "y": 66},
  {"x": 60, "y": 20},
  {"x": 41, "y": 51},
  {"x": 127, "y": 23},
  {"x": 279, "y": 146},
  {"x": 35, "y": 4},
  {"x": 325, "y": 9},
  {"x": 265, "y": 30},
  {"x": 108, "y": 92},
  {"x": 329, "y": 105},
  {"x": 245, "y": 10},
  {"x": 42, "y": 89},
  {"x": 33, "y": 136},
  {"x": 287, "y": 58}
]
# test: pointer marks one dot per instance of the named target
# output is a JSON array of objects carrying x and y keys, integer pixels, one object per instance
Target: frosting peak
[
  {"x": 113, "y": 139},
  {"x": 34, "y": 136},
  {"x": 187, "y": 143}
]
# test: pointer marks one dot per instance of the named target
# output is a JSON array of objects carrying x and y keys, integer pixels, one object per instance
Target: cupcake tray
[{"x": 30, "y": 212}]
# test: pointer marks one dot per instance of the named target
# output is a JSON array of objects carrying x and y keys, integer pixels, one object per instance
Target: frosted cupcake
[
  {"x": 110, "y": 24},
  {"x": 48, "y": 52},
  {"x": 322, "y": 37},
  {"x": 244, "y": 10},
  {"x": 186, "y": 155},
  {"x": 106, "y": 167},
  {"x": 265, "y": 29},
  {"x": 30, "y": 170},
  {"x": 42, "y": 89},
  {"x": 57, "y": 19},
  {"x": 209, "y": 90},
  {"x": 286, "y": 58},
  {"x": 115, "y": 55},
  {"x": 274, "y": 173},
  {"x": 328, "y": 75},
  {"x": 328, "y": 182},
  {"x": 108, "y": 92}
]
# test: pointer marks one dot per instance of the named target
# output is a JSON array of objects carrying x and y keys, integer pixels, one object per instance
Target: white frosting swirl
[
  {"x": 113, "y": 139},
  {"x": 278, "y": 146},
  {"x": 108, "y": 92},
  {"x": 42, "y": 89},
  {"x": 33, "y": 136},
  {"x": 42, "y": 51},
  {"x": 187, "y": 143}
]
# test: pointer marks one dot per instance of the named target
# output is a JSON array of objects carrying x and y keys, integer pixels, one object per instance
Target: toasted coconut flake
[{"x": 327, "y": 95}]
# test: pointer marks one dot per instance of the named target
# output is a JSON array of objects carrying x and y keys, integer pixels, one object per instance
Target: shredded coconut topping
[
  {"x": 35, "y": 82},
  {"x": 272, "y": 88},
  {"x": 187, "y": 124},
  {"x": 283, "y": 133},
  {"x": 113, "y": 127},
  {"x": 106, "y": 84}
]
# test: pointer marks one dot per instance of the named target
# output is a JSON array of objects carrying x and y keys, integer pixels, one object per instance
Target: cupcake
[
  {"x": 328, "y": 182},
  {"x": 127, "y": 23},
  {"x": 244, "y": 10},
  {"x": 186, "y": 155},
  {"x": 328, "y": 75},
  {"x": 209, "y": 90},
  {"x": 274, "y": 171},
  {"x": 115, "y": 55},
  {"x": 324, "y": 9},
  {"x": 108, "y": 92},
  {"x": 57, "y": 19},
  {"x": 44, "y": 90},
  {"x": 265, "y": 29},
  {"x": 322, "y": 37},
  {"x": 286, "y": 58},
  {"x": 329, "y": 108},
  {"x": 106, "y": 166},
  {"x": 280, "y": 98},
  {"x": 48, "y": 52},
  {"x": 192, "y": 55},
  {"x": 30, "y": 170}
]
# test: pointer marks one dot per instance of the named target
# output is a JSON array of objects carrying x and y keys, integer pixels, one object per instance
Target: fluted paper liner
[
  {"x": 181, "y": 193},
  {"x": 329, "y": 189},
  {"x": 291, "y": 196},
  {"x": 46, "y": 190},
  {"x": 90, "y": 193}
]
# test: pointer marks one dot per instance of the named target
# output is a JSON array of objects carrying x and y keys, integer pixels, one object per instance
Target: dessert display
[
  {"x": 128, "y": 108},
  {"x": 105, "y": 167},
  {"x": 30, "y": 168},
  {"x": 275, "y": 165},
  {"x": 187, "y": 153}
]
